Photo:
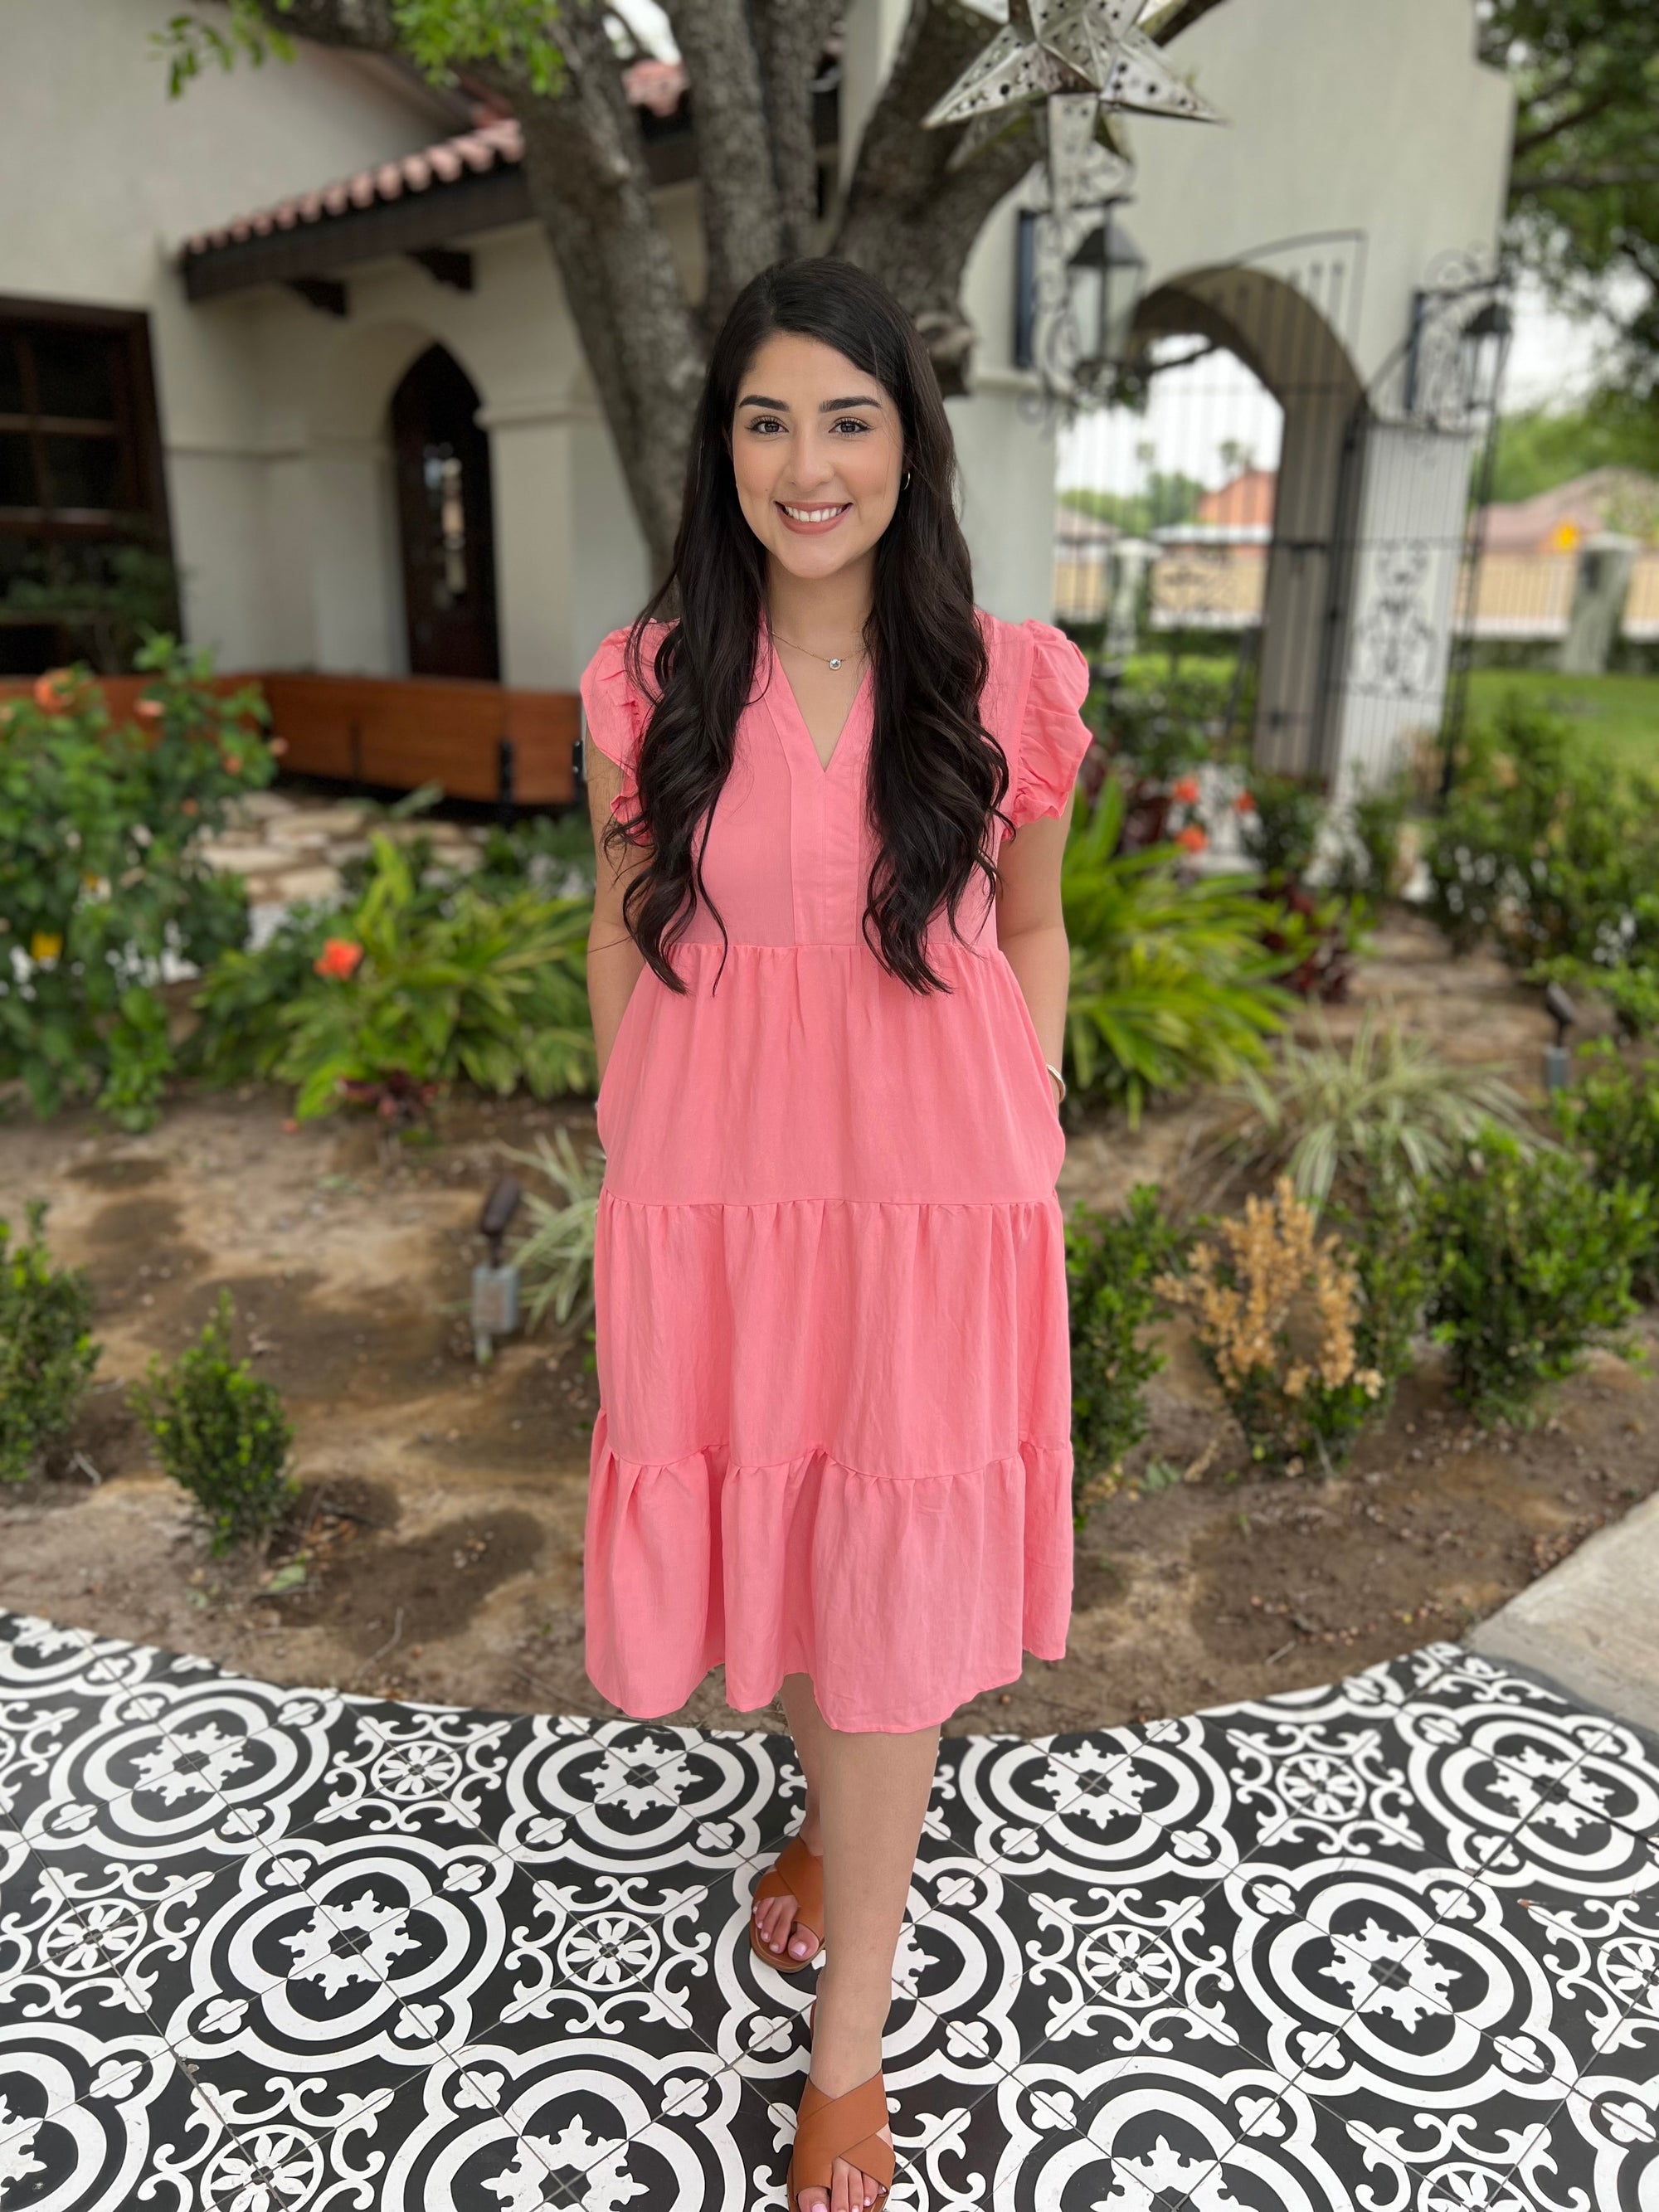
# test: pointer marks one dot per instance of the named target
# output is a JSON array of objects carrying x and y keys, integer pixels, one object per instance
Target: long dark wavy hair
[{"x": 936, "y": 774}]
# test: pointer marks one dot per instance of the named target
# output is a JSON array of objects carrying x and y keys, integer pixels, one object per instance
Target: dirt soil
[{"x": 440, "y": 1527}]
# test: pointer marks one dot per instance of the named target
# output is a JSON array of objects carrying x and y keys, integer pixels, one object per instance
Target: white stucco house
[{"x": 303, "y": 320}]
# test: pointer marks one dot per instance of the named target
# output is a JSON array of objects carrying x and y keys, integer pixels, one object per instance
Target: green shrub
[
  {"x": 1388, "y": 1244},
  {"x": 1532, "y": 1266},
  {"x": 242, "y": 999},
  {"x": 1370, "y": 866},
  {"x": 549, "y": 854},
  {"x": 110, "y": 599},
  {"x": 1280, "y": 832},
  {"x": 1162, "y": 724},
  {"x": 1545, "y": 852},
  {"x": 1111, "y": 1263},
  {"x": 101, "y": 876},
  {"x": 418, "y": 984},
  {"x": 1388, "y": 1106},
  {"x": 1170, "y": 983},
  {"x": 1275, "y": 1310},
  {"x": 47, "y": 1351},
  {"x": 219, "y": 1429},
  {"x": 1610, "y": 1117}
]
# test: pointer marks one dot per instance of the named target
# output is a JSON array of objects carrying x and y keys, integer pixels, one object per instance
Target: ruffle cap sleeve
[
  {"x": 617, "y": 715},
  {"x": 1053, "y": 736}
]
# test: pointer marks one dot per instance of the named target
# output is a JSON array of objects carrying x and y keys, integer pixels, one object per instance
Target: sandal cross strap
[
  {"x": 798, "y": 1873},
  {"x": 847, "y": 2128}
]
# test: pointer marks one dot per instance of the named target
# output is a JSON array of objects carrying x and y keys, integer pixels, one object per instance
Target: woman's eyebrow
[{"x": 825, "y": 406}]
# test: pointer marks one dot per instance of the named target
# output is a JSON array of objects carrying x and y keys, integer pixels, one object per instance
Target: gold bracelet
[{"x": 1059, "y": 1079}]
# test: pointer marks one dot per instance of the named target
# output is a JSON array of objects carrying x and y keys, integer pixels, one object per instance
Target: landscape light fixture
[
  {"x": 1558, "y": 1057},
  {"x": 495, "y": 1283}
]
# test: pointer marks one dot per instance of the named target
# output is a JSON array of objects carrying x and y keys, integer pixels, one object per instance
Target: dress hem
[{"x": 842, "y": 1725}]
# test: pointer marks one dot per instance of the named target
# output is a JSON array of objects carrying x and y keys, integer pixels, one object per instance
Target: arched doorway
[
  {"x": 1232, "y": 471},
  {"x": 445, "y": 521}
]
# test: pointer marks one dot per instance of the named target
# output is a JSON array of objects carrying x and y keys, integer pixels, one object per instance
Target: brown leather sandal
[
  {"x": 798, "y": 1873},
  {"x": 848, "y": 2127}
]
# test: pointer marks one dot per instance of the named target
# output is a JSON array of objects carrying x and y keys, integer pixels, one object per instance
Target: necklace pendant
[{"x": 834, "y": 664}]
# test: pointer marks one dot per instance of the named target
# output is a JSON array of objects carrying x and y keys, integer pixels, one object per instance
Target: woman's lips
[{"x": 812, "y": 529}]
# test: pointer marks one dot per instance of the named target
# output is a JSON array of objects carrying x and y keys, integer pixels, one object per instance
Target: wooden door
[{"x": 444, "y": 521}]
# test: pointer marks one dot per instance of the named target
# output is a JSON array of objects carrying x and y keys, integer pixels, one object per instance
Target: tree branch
[
  {"x": 1177, "y": 18},
  {"x": 366, "y": 26},
  {"x": 907, "y": 218},
  {"x": 742, "y": 220},
  {"x": 1529, "y": 142},
  {"x": 1585, "y": 180}
]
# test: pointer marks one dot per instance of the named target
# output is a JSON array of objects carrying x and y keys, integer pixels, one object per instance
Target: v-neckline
[{"x": 777, "y": 673}]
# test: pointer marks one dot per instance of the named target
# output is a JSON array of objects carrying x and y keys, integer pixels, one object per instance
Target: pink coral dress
[{"x": 832, "y": 1330}]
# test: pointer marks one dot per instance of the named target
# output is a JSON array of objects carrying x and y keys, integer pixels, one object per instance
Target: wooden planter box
[{"x": 479, "y": 741}]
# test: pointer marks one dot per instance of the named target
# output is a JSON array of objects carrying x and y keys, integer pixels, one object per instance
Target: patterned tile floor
[{"x": 1390, "y": 1944}]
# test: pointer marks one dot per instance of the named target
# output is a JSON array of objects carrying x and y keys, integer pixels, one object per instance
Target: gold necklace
[{"x": 834, "y": 662}]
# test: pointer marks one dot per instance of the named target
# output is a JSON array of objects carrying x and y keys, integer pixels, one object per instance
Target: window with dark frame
[{"x": 84, "y": 544}]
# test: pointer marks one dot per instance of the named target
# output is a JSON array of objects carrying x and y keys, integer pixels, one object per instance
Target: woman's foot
[
  {"x": 775, "y": 1916},
  {"x": 840, "y": 2062}
]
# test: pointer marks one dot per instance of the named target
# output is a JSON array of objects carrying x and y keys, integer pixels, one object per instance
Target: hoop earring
[{"x": 905, "y": 486}]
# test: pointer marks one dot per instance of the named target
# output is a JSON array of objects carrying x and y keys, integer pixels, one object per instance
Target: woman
[{"x": 833, "y": 1447}]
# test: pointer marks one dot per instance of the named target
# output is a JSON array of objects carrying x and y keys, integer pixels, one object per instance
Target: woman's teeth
[{"x": 812, "y": 513}]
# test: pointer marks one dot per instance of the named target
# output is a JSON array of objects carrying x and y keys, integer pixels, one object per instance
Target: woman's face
[{"x": 818, "y": 453}]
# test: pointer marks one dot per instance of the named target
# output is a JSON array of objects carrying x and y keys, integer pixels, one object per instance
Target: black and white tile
[{"x": 1391, "y": 1945}]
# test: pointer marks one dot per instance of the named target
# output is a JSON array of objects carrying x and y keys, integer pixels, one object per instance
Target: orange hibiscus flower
[{"x": 338, "y": 958}]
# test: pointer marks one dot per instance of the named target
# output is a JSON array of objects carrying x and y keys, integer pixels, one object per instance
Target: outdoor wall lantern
[
  {"x": 1456, "y": 351},
  {"x": 1107, "y": 274},
  {"x": 495, "y": 1283},
  {"x": 1073, "y": 316},
  {"x": 1483, "y": 342}
]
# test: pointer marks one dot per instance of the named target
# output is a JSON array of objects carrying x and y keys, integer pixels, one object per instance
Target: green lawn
[{"x": 1617, "y": 716}]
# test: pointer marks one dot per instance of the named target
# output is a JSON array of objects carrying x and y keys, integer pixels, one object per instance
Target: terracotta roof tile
[{"x": 655, "y": 85}]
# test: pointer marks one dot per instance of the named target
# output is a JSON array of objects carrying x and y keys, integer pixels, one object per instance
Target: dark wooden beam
[
  {"x": 326, "y": 293},
  {"x": 381, "y": 232},
  {"x": 446, "y": 263}
]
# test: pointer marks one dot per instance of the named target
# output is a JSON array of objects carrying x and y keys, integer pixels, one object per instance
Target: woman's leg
[
  {"x": 774, "y": 1914},
  {"x": 872, "y": 1792}
]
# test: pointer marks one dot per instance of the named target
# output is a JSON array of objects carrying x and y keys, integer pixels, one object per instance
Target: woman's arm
[
  {"x": 614, "y": 961},
  {"x": 1031, "y": 924}
]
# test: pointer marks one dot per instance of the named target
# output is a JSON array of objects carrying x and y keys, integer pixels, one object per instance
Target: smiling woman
[{"x": 833, "y": 1447}]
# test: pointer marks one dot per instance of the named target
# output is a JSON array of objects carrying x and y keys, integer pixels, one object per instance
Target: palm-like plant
[
  {"x": 492, "y": 990},
  {"x": 1390, "y": 1104},
  {"x": 555, "y": 1260},
  {"x": 1171, "y": 985}
]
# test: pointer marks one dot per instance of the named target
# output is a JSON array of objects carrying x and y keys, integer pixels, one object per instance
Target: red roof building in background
[{"x": 1246, "y": 503}]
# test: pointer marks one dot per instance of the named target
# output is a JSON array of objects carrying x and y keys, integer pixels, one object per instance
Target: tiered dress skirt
[{"x": 833, "y": 1342}]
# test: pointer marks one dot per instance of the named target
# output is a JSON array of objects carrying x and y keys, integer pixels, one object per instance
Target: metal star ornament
[
  {"x": 1078, "y": 171},
  {"x": 1070, "y": 46}
]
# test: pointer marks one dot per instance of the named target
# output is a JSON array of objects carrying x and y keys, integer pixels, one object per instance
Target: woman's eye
[{"x": 853, "y": 423}]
